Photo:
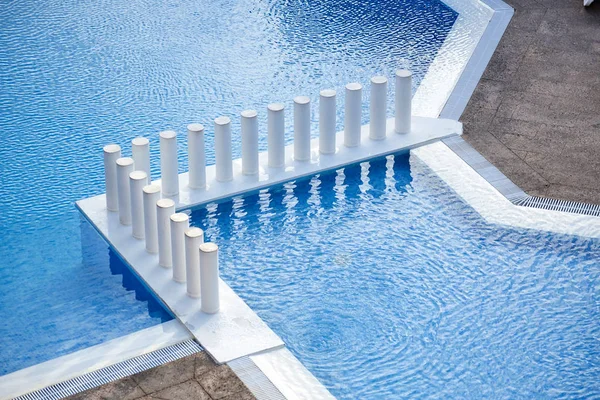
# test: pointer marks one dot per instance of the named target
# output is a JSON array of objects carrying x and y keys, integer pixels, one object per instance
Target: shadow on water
[{"x": 97, "y": 254}]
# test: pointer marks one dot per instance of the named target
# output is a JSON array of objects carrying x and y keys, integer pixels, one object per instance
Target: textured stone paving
[
  {"x": 193, "y": 377},
  {"x": 535, "y": 114}
]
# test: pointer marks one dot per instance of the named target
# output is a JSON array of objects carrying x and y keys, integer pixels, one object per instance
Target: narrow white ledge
[
  {"x": 91, "y": 359},
  {"x": 492, "y": 205},
  {"x": 290, "y": 376},
  {"x": 236, "y": 331}
]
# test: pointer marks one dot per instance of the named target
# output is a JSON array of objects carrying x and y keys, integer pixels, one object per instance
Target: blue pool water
[
  {"x": 76, "y": 75},
  {"x": 385, "y": 284}
]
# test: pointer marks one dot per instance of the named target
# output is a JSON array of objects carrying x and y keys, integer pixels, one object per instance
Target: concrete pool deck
[{"x": 535, "y": 115}]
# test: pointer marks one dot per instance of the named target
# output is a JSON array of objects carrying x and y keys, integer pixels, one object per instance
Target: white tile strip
[
  {"x": 492, "y": 205},
  {"x": 236, "y": 331},
  {"x": 289, "y": 376},
  {"x": 92, "y": 359},
  {"x": 452, "y": 58}
]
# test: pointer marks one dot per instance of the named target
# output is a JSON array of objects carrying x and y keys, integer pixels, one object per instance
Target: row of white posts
[
  {"x": 130, "y": 193},
  {"x": 154, "y": 220}
]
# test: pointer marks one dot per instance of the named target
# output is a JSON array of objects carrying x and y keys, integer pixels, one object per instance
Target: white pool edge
[
  {"x": 492, "y": 205},
  {"x": 91, "y": 359}
]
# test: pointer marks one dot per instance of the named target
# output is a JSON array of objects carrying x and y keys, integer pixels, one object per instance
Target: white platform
[
  {"x": 91, "y": 359},
  {"x": 236, "y": 331}
]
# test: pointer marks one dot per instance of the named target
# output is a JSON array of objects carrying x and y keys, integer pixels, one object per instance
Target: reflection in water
[
  {"x": 231, "y": 219},
  {"x": 97, "y": 255}
]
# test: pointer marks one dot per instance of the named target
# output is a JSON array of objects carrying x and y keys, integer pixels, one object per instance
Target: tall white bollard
[
  {"x": 327, "y": 121},
  {"x": 140, "y": 152},
  {"x": 124, "y": 168},
  {"x": 209, "y": 278},
  {"x": 151, "y": 196},
  {"x": 168, "y": 163},
  {"x": 301, "y": 128},
  {"x": 164, "y": 209},
  {"x": 223, "y": 160},
  {"x": 137, "y": 181},
  {"x": 112, "y": 152},
  {"x": 194, "y": 237},
  {"x": 196, "y": 156},
  {"x": 276, "y": 135},
  {"x": 403, "y": 100},
  {"x": 352, "y": 114},
  {"x": 378, "y": 110},
  {"x": 180, "y": 223},
  {"x": 249, "y": 123}
]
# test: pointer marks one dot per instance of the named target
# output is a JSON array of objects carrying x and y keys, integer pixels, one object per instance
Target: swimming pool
[
  {"x": 386, "y": 284},
  {"x": 77, "y": 75}
]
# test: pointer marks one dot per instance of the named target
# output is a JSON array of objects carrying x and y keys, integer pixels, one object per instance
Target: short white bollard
[
  {"x": 301, "y": 128},
  {"x": 378, "y": 109},
  {"x": 112, "y": 152},
  {"x": 327, "y": 121},
  {"x": 164, "y": 209},
  {"x": 137, "y": 181},
  {"x": 223, "y": 160},
  {"x": 209, "y": 278},
  {"x": 249, "y": 123},
  {"x": 352, "y": 114},
  {"x": 140, "y": 152},
  {"x": 169, "y": 179},
  {"x": 403, "y": 100},
  {"x": 276, "y": 135},
  {"x": 124, "y": 168},
  {"x": 151, "y": 196},
  {"x": 196, "y": 156},
  {"x": 180, "y": 223},
  {"x": 194, "y": 237}
]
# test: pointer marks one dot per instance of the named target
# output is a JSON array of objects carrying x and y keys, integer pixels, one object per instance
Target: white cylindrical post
[
  {"x": 137, "y": 181},
  {"x": 327, "y": 121},
  {"x": 223, "y": 161},
  {"x": 112, "y": 152},
  {"x": 194, "y": 237},
  {"x": 352, "y": 114},
  {"x": 140, "y": 152},
  {"x": 164, "y": 209},
  {"x": 403, "y": 100},
  {"x": 151, "y": 196},
  {"x": 169, "y": 179},
  {"x": 301, "y": 128},
  {"x": 378, "y": 109},
  {"x": 124, "y": 168},
  {"x": 276, "y": 135},
  {"x": 180, "y": 223},
  {"x": 209, "y": 278},
  {"x": 196, "y": 156},
  {"x": 249, "y": 122}
]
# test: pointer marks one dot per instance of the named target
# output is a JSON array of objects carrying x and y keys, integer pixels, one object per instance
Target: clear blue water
[
  {"x": 385, "y": 284},
  {"x": 76, "y": 75}
]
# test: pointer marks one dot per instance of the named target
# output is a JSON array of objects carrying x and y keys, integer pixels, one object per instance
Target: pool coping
[
  {"x": 92, "y": 358},
  {"x": 492, "y": 205}
]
